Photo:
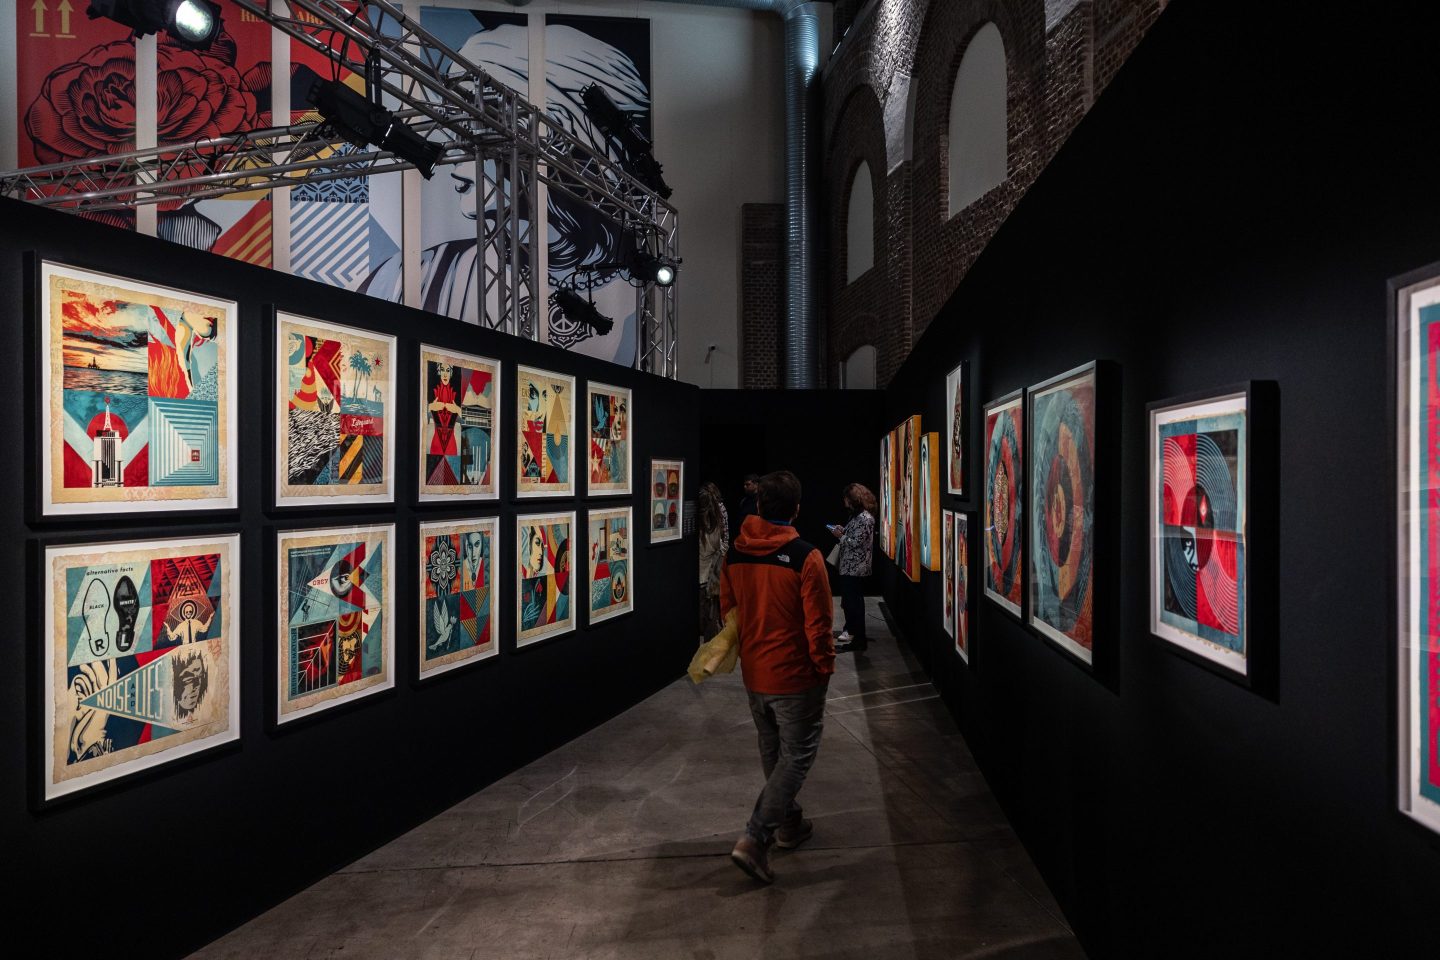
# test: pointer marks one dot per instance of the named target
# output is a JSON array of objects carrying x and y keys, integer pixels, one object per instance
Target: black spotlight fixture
[
  {"x": 646, "y": 267},
  {"x": 635, "y": 148},
  {"x": 365, "y": 123},
  {"x": 192, "y": 24},
  {"x": 580, "y": 311}
]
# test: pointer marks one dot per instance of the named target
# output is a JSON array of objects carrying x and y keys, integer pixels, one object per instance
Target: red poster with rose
[
  {"x": 75, "y": 87},
  {"x": 211, "y": 93}
]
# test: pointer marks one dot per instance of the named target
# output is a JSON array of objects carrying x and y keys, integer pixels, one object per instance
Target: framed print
[
  {"x": 336, "y": 623},
  {"x": 543, "y": 547},
  {"x": 545, "y": 415},
  {"x": 955, "y": 432},
  {"x": 908, "y": 521},
  {"x": 611, "y": 420},
  {"x": 142, "y": 660},
  {"x": 612, "y": 578},
  {"x": 886, "y": 488},
  {"x": 667, "y": 488},
  {"x": 1003, "y": 508},
  {"x": 333, "y": 414},
  {"x": 138, "y": 386},
  {"x": 1065, "y": 424},
  {"x": 459, "y": 402},
  {"x": 930, "y": 502},
  {"x": 1415, "y": 348},
  {"x": 962, "y": 586},
  {"x": 1203, "y": 462},
  {"x": 459, "y": 583},
  {"x": 948, "y": 572},
  {"x": 895, "y": 481}
]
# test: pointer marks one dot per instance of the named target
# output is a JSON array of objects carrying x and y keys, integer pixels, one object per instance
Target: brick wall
[
  {"x": 762, "y": 257},
  {"x": 887, "y": 102}
]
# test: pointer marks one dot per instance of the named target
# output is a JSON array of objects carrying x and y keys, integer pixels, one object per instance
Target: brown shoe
[
  {"x": 792, "y": 835},
  {"x": 753, "y": 859}
]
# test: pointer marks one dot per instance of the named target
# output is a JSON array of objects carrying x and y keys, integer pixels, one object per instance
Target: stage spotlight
[
  {"x": 581, "y": 311},
  {"x": 646, "y": 267},
  {"x": 192, "y": 24},
  {"x": 635, "y": 148},
  {"x": 364, "y": 124}
]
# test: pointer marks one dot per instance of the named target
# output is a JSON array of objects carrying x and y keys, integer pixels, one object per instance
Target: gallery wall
[
  {"x": 172, "y": 857},
  {"x": 716, "y": 114},
  {"x": 1231, "y": 210}
]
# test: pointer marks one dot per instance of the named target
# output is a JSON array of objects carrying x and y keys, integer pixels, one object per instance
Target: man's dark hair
[
  {"x": 751, "y": 478},
  {"x": 779, "y": 496}
]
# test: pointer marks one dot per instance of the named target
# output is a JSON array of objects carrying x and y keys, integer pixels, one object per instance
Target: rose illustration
[
  {"x": 200, "y": 94},
  {"x": 86, "y": 108}
]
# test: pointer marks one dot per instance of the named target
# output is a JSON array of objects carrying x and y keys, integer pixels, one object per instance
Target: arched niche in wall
[
  {"x": 860, "y": 225},
  {"x": 979, "y": 128},
  {"x": 858, "y": 370}
]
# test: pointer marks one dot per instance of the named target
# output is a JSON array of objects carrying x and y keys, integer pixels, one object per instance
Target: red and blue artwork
[
  {"x": 1202, "y": 531},
  {"x": 457, "y": 580},
  {"x": 142, "y": 660},
  {"x": 1003, "y": 506},
  {"x": 335, "y": 640},
  {"x": 1062, "y": 512},
  {"x": 457, "y": 429}
]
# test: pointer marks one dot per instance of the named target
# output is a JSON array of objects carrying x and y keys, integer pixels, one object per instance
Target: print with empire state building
[{"x": 139, "y": 382}]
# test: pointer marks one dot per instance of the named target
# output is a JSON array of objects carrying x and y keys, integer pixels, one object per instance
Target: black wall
[
  {"x": 164, "y": 862},
  {"x": 1230, "y": 210},
  {"x": 820, "y": 435}
]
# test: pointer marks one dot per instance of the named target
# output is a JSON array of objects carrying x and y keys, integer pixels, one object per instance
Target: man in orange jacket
[{"x": 778, "y": 587}]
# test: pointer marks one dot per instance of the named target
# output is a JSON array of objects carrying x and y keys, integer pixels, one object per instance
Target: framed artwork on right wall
[
  {"x": 1003, "y": 509},
  {"x": 667, "y": 489},
  {"x": 956, "y": 412},
  {"x": 1415, "y": 353},
  {"x": 1210, "y": 482}
]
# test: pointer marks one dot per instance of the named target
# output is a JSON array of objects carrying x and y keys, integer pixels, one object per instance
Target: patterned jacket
[{"x": 857, "y": 544}]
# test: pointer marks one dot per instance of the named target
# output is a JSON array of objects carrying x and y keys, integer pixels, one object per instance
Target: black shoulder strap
[{"x": 791, "y": 555}]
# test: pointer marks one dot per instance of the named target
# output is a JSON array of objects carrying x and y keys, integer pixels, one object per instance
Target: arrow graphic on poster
[
  {"x": 65, "y": 9},
  {"x": 40, "y": 9}
]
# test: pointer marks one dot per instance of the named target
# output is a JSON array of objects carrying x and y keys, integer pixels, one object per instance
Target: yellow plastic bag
[{"x": 719, "y": 653}]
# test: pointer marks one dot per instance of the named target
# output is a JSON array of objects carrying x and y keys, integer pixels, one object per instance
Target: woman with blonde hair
[{"x": 857, "y": 542}]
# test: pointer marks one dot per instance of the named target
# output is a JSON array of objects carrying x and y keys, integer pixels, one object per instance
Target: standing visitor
[
  {"x": 778, "y": 587},
  {"x": 714, "y": 541},
  {"x": 747, "y": 506},
  {"x": 857, "y": 544}
]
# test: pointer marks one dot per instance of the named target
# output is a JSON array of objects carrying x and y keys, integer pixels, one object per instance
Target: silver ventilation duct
[{"x": 799, "y": 336}]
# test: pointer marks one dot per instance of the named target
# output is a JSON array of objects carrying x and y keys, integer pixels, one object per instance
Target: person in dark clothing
[
  {"x": 777, "y": 585},
  {"x": 857, "y": 544},
  {"x": 748, "y": 504}
]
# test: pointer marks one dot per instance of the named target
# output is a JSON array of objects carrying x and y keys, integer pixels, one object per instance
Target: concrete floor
[{"x": 616, "y": 845}]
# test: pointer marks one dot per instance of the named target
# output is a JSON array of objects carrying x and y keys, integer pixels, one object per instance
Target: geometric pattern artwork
[
  {"x": 332, "y": 417},
  {"x": 1002, "y": 508},
  {"x": 1062, "y": 511},
  {"x": 1416, "y": 335},
  {"x": 545, "y": 417},
  {"x": 667, "y": 485},
  {"x": 612, "y": 582},
  {"x": 948, "y": 538},
  {"x": 140, "y": 391},
  {"x": 887, "y": 467},
  {"x": 143, "y": 660},
  {"x": 335, "y": 626},
  {"x": 458, "y": 397},
  {"x": 610, "y": 425},
  {"x": 459, "y": 621},
  {"x": 544, "y": 600},
  {"x": 961, "y": 576},
  {"x": 930, "y": 502},
  {"x": 909, "y": 546},
  {"x": 1198, "y": 523},
  {"x": 955, "y": 431}
]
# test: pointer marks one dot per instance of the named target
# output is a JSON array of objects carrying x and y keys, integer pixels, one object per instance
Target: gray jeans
[{"x": 789, "y": 726}]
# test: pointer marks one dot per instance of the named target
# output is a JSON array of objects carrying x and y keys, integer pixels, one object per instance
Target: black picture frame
[
  {"x": 1261, "y": 534},
  {"x": 1104, "y": 524}
]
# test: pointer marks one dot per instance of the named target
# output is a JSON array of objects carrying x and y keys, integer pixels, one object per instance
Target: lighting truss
[{"x": 443, "y": 96}]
